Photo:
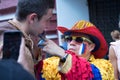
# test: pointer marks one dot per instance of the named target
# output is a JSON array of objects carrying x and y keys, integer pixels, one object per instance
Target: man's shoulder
[{"x": 6, "y": 25}]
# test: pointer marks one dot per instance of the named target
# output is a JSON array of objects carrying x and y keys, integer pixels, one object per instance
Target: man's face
[{"x": 39, "y": 26}]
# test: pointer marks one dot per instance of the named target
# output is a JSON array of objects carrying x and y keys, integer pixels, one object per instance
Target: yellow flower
[
  {"x": 104, "y": 66},
  {"x": 50, "y": 69}
]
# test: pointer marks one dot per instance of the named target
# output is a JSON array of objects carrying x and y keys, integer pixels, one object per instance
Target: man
[
  {"x": 86, "y": 45},
  {"x": 32, "y": 16}
]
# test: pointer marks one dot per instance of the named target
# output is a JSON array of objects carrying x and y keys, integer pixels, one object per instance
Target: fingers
[
  {"x": 22, "y": 50},
  {"x": 1, "y": 46},
  {"x": 46, "y": 43},
  {"x": 50, "y": 47},
  {"x": 22, "y": 46},
  {"x": 45, "y": 49},
  {"x": 47, "y": 46},
  {"x": 49, "y": 43}
]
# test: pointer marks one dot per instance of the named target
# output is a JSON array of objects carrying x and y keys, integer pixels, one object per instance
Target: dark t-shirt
[{"x": 11, "y": 70}]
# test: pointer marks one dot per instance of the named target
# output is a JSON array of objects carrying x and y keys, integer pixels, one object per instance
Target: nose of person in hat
[{"x": 74, "y": 46}]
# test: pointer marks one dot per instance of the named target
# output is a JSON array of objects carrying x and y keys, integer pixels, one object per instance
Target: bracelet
[{"x": 64, "y": 58}]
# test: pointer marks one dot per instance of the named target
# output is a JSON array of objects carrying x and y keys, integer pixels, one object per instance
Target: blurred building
[{"x": 103, "y": 13}]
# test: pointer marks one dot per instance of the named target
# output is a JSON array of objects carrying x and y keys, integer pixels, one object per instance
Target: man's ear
[
  {"x": 32, "y": 17},
  {"x": 92, "y": 46}
]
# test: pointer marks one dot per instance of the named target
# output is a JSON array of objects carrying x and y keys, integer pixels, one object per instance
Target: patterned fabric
[
  {"x": 99, "y": 69},
  {"x": 81, "y": 69},
  {"x": 81, "y": 25},
  {"x": 50, "y": 69},
  {"x": 104, "y": 66},
  {"x": 41, "y": 78},
  {"x": 96, "y": 73},
  {"x": 38, "y": 68}
]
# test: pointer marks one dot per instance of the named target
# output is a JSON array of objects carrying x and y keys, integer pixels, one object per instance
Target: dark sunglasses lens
[
  {"x": 79, "y": 39},
  {"x": 68, "y": 39}
]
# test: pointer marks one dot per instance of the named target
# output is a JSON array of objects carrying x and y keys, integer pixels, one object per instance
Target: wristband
[{"x": 64, "y": 58}]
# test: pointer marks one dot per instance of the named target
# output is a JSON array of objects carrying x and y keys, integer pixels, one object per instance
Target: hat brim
[{"x": 97, "y": 36}]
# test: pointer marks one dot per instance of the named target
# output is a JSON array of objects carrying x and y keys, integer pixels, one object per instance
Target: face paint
[{"x": 82, "y": 48}]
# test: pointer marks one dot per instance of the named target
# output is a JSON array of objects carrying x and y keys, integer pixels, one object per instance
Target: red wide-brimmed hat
[{"x": 84, "y": 27}]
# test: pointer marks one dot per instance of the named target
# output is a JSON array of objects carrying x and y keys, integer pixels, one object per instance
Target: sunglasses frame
[{"x": 75, "y": 38}]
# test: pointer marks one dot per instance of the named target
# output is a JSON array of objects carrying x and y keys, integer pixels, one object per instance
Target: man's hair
[{"x": 26, "y": 7}]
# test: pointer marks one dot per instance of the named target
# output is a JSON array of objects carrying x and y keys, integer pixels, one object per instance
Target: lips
[{"x": 72, "y": 49}]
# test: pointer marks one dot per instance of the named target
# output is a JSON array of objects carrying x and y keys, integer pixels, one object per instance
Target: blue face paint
[{"x": 82, "y": 48}]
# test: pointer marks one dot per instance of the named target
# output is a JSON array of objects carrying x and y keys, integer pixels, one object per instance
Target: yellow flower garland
[
  {"x": 104, "y": 66},
  {"x": 50, "y": 69}
]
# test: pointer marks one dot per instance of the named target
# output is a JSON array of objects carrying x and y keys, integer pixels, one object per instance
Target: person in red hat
[
  {"x": 87, "y": 41},
  {"x": 90, "y": 33},
  {"x": 81, "y": 61}
]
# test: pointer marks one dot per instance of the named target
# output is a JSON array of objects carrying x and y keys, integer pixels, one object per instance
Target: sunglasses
[{"x": 77, "y": 39}]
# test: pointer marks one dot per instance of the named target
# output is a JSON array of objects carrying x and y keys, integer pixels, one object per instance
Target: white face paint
[{"x": 82, "y": 49}]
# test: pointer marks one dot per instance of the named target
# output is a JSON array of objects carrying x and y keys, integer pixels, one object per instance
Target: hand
[
  {"x": 53, "y": 49},
  {"x": 22, "y": 50},
  {"x": 25, "y": 58},
  {"x": 1, "y": 46}
]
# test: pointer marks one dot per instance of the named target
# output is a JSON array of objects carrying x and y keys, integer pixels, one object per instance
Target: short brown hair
[{"x": 115, "y": 34}]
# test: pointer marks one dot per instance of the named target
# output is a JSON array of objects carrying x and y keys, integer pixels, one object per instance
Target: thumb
[
  {"x": 1, "y": 47},
  {"x": 21, "y": 51}
]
